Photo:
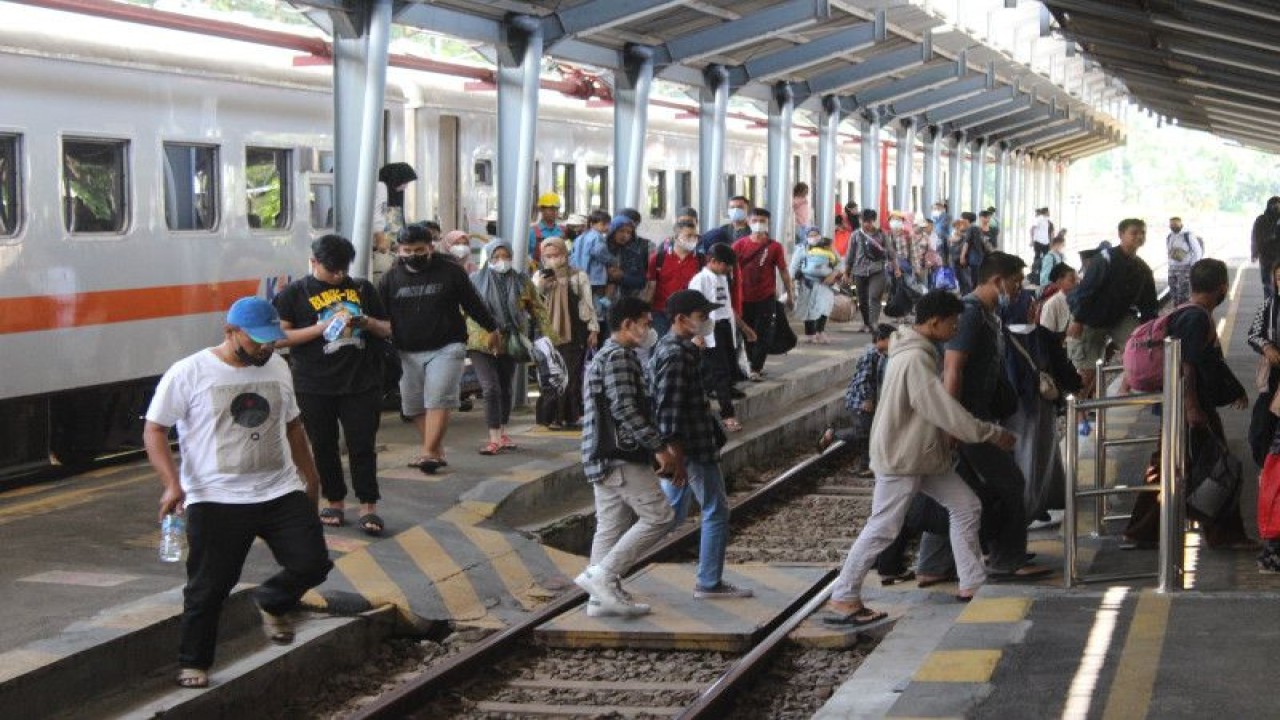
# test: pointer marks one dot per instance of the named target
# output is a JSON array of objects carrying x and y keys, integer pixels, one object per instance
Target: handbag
[
  {"x": 1214, "y": 480},
  {"x": 608, "y": 445},
  {"x": 902, "y": 299},
  {"x": 518, "y": 347},
  {"x": 784, "y": 338},
  {"x": 1269, "y": 499},
  {"x": 1046, "y": 385}
]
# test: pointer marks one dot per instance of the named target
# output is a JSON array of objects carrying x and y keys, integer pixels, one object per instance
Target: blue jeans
[{"x": 707, "y": 485}]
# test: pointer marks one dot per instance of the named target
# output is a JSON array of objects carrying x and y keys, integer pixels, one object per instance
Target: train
[{"x": 144, "y": 185}]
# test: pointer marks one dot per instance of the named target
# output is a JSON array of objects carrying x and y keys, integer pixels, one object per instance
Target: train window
[
  {"x": 95, "y": 185},
  {"x": 483, "y": 172},
  {"x": 190, "y": 186},
  {"x": 813, "y": 170},
  {"x": 266, "y": 172},
  {"x": 10, "y": 196},
  {"x": 852, "y": 196},
  {"x": 657, "y": 194},
  {"x": 321, "y": 202},
  {"x": 598, "y": 187},
  {"x": 684, "y": 189},
  {"x": 563, "y": 183}
]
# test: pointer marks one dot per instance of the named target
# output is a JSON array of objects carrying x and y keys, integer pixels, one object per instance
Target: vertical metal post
[
  {"x": 1171, "y": 500},
  {"x": 1099, "y": 449},
  {"x": 932, "y": 141},
  {"x": 713, "y": 104},
  {"x": 1002, "y": 197},
  {"x": 782, "y": 107},
  {"x": 824, "y": 192},
  {"x": 869, "y": 128},
  {"x": 519, "y": 65},
  {"x": 631, "y": 88},
  {"x": 955, "y": 170},
  {"x": 359, "y": 80},
  {"x": 1071, "y": 467},
  {"x": 977, "y": 174},
  {"x": 904, "y": 163}
]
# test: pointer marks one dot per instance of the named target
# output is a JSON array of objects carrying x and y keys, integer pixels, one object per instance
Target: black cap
[{"x": 687, "y": 302}]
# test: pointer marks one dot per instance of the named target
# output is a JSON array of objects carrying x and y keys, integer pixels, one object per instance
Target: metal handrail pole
[
  {"x": 1070, "y": 468},
  {"x": 1099, "y": 447},
  {"x": 1180, "y": 476},
  {"x": 1170, "y": 498}
]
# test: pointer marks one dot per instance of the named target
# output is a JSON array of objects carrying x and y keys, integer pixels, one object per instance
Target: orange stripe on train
[{"x": 54, "y": 312}]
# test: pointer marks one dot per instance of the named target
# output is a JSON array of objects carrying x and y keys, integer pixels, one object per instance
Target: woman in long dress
[{"x": 816, "y": 268}]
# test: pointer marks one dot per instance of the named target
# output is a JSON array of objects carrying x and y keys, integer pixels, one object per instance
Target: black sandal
[
  {"x": 332, "y": 517},
  {"x": 371, "y": 524}
]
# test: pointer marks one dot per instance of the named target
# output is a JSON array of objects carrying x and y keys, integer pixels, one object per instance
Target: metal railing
[{"x": 1172, "y": 468}]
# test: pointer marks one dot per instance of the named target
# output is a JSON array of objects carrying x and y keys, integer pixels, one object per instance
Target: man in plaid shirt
[
  {"x": 619, "y": 443},
  {"x": 685, "y": 424}
]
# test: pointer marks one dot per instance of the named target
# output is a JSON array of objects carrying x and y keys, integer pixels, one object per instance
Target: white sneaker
[
  {"x": 595, "y": 608},
  {"x": 605, "y": 599}
]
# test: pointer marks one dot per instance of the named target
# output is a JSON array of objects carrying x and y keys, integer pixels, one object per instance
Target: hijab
[
  {"x": 501, "y": 291},
  {"x": 558, "y": 299}
]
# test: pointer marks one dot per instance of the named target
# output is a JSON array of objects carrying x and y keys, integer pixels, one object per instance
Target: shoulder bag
[{"x": 1046, "y": 385}]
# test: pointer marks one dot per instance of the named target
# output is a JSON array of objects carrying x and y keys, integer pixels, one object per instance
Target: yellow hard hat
[{"x": 549, "y": 200}]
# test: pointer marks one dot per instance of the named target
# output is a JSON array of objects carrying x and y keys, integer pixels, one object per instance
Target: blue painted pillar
[
  {"x": 519, "y": 64},
  {"x": 977, "y": 174},
  {"x": 630, "y": 122},
  {"x": 955, "y": 172},
  {"x": 931, "y": 139},
  {"x": 869, "y": 129},
  {"x": 824, "y": 192},
  {"x": 904, "y": 164},
  {"x": 713, "y": 105},
  {"x": 781, "y": 109}
]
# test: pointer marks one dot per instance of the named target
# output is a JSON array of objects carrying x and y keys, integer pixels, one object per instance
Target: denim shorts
[{"x": 432, "y": 379}]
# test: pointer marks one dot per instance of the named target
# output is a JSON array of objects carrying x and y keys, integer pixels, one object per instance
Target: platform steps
[{"x": 132, "y": 675}]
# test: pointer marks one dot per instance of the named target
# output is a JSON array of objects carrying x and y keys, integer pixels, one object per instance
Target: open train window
[
  {"x": 483, "y": 172},
  {"x": 190, "y": 186},
  {"x": 657, "y": 194},
  {"x": 684, "y": 189},
  {"x": 10, "y": 190},
  {"x": 598, "y": 187},
  {"x": 95, "y": 185},
  {"x": 563, "y": 183},
  {"x": 266, "y": 172}
]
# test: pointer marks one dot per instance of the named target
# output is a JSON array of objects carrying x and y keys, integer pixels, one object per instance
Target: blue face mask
[{"x": 737, "y": 215}]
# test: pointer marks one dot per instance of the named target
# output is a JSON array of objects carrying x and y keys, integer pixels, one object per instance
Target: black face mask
[
  {"x": 416, "y": 263},
  {"x": 255, "y": 360}
]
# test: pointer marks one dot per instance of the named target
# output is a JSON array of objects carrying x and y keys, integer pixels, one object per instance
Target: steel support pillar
[
  {"x": 782, "y": 107},
  {"x": 1001, "y": 191},
  {"x": 824, "y": 192},
  {"x": 359, "y": 84},
  {"x": 869, "y": 128},
  {"x": 519, "y": 65},
  {"x": 904, "y": 163},
  {"x": 955, "y": 171},
  {"x": 713, "y": 105},
  {"x": 631, "y": 88},
  {"x": 931, "y": 139},
  {"x": 977, "y": 174}
]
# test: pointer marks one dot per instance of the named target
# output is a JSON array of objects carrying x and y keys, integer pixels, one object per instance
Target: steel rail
[{"x": 412, "y": 695}]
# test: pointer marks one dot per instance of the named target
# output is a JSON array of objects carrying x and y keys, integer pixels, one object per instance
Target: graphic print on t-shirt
[
  {"x": 331, "y": 301},
  {"x": 248, "y": 427}
]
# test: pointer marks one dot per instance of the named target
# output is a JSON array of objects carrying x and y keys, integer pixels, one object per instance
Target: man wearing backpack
[
  {"x": 1117, "y": 292},
  {"x": 1185, "y": 249},
  {"x": 671, "y": 268}
]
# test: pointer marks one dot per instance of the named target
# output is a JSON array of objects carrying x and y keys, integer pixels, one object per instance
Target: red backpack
[{"x": 1144, "y": 352}]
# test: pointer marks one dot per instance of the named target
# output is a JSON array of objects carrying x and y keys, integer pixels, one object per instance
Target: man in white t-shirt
[
  {"x": 244, "y": 461},
  {"x": 1055, "y": 314},
  {"x": 1185, "y": 249}
]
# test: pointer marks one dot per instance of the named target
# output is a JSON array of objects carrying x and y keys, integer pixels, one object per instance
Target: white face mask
[
  {"x": 895, "y": 224},
  {"x": 759, "y": 227},
  {"x": 687, "y": 245},
  {"x": 501, "y": 266},
  {"x": 461, "y": 252},
  {"x": 737, "y": 215},
  {"x": 650, "y": 339},
  {"x": 555, "y": 263},
  {"x": 706, "y": 327}
]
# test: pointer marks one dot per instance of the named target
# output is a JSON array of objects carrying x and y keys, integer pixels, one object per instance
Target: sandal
[
  {"x": 857, "y": 618},
  {"x": 193, "y": 678},
  {"x": 371, "y": 524},
  {"x": 1026, "y": 573},
  {"x": 490, "y": 448},
  {"x": 824, "y": 442},
  {"x": 332, "y": 517},
  {"x": 508, "y": 444},
  {"x": 905, "y": 576},
  {"x": 427, "y": 465},
  {"x": 279, "y": 628},
  {"x": 924, "y": 581},
  {"x": 732, "y": 425}
]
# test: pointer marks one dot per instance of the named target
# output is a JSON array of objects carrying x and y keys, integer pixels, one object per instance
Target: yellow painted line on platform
[
  {"x": 61, "y": 500},
  {"x": 453, "y": 585},
  {"x": 995, "y": 610},
  {"x": 479, "y": 507},
  {"x": 958, "y": 666},
  {"x": 459, "y": 515},
  {"x": 1228, "y": 323},
  {"x": 370, "y": 580},
  {"x": 22, "y": 661},
  {"x": 1131, "y": 690},
  {"x": 510, "y": 568}
]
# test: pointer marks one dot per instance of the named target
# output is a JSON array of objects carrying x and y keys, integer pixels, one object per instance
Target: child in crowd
[
  {"x": 816, "y": 268},
  {"x": 718, "y": 354},
  {"x": 861, "y": 398},
  {"x": 1056, "y": 256}
]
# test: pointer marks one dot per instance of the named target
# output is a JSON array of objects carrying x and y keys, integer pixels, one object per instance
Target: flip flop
[
  {"x": 193, "y": 678},
  {"x": 1026, "y": 573},
  {"x": 901, "y": 577},
  {"x": 279, "y": 628},
  {"x": 371, "y": 524},
  {"x": 923, "y": 582},
  {"x": 332, "y": 517},
  {"x": 857, "y": 618}
]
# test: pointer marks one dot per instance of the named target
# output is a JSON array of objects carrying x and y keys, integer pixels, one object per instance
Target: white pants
[
  {"x": 627, "y": 489},
  {"x": 889, "y": 505}
]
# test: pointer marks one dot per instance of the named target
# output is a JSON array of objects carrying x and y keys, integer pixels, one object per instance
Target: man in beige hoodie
[{"x": 911, "y": 451}]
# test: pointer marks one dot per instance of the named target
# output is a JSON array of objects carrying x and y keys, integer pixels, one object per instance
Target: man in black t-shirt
[{"x": 332, "y": 323}]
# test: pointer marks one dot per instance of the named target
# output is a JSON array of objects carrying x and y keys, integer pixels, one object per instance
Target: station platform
[
  {"x": 80, "y": 568},
  {"x": 1112, "y": 651}
]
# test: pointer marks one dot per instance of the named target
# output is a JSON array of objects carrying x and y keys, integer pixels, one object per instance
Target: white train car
[{"x": 143, "y": 189}]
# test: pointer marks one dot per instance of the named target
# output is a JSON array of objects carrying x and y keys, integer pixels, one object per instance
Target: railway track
[{"x": 807, "y": 514}]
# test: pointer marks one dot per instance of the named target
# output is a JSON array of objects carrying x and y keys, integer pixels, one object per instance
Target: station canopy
[
  {"x": 1207, "y": 64},
  {"x": 988, "y": 68}
]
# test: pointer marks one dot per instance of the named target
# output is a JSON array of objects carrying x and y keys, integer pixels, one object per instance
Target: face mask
[
  {"x": 255, "y": 360},
  {"x": 554, "y": 263},
  {"x": 501, "y": 266},
  {"x": 759, "y": 227},
  {"x": 416, "y": 263},
  {"x": 462, "y": 252},
  {"x": 706, "y": 327},
  {"x": 737, "y": 215},
  {"x": 1003, "y": 301},
  {"x": 895, "y": 224},
  {"x": 650, "y": 339},
  {"x": 687, "y": 245}
]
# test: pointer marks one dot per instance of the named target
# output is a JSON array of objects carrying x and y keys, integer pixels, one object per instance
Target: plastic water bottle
[
  {"x": 173, "y": 538},
  {"x": 334, "y": 329}
]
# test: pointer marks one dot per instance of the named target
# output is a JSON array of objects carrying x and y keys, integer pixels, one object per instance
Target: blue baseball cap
[{"x": 257, "y": 318}]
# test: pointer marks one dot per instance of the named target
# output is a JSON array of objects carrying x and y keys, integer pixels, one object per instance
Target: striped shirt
[
  {"x": 680, "y": 404},
  {"x": 615, "y": 381}
]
